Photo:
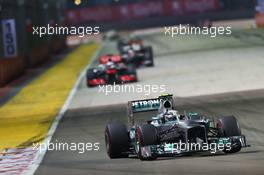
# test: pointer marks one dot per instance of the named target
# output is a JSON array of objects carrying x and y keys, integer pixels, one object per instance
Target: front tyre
[
  {"x": 228, "y": 127},
  {"x": 146, "y": 135},
  {"x": 116, "y": 140}
]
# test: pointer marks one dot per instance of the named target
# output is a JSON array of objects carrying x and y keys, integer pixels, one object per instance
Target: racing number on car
[{"x": 9, "y": 38}]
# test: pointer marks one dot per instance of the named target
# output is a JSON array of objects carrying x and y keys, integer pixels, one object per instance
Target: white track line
[{"x": 41, "y": 153}]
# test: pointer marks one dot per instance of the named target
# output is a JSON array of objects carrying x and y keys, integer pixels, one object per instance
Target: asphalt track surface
[
  {"x": 82, "y": 125},
  {"x": 189, "y": 66},
  {"x": 87, "y": 125}
]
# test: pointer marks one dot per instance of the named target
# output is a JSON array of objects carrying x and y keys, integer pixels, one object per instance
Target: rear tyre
[
  {"x": 120, "y": 45},
  {"x": 90, "y": 75},
  {"x": 228, "y": 127},
  {"x": 149, "y": 56},
  {"x": 116, "y": 140},
  {"x": 131, "y": 70},
  {"x": 146, "y": 135}
]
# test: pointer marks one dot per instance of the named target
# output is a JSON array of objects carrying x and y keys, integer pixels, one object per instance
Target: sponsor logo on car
[{"x": 144, "y": 105}]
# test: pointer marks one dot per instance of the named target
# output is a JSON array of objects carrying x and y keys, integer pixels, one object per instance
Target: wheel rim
[{"x": 137, "y": 147}]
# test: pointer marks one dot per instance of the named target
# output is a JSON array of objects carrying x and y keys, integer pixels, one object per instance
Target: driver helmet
[
  {"x": 171, "y": 115},
  {"x": 131, "y": 53},
  {"x": 110, "y": 63}
]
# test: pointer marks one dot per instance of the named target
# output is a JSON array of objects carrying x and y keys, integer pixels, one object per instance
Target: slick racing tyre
[
  {"x": 116, "y": 140},
  {"x": 149, "y": 56},
  {"x": 131, "y": 70},
  {"x": 90, "y": 75},
  {"x": 228, "y": 127},
  {"x": 146, "y": 135}
]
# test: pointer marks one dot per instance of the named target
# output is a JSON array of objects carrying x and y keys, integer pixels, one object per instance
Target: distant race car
[
  {"x": 111, "y": 72},
  {"x": 163, "y": 133},
  {"x": 135, "y": 52}
]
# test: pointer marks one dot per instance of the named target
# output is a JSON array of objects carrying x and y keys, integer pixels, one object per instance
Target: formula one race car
[
  {"x": 170, "y": 133},
  {"x": 110, "y": 73},
  {"x": 135, "y": 52}
]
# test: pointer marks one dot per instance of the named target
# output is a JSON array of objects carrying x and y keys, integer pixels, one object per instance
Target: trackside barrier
[
  {"x": 10, "y": 69},
  {"x": 140, "y": 10},
  {"x": 21, "y": 49},
  {"x": 260, "y": 13}
]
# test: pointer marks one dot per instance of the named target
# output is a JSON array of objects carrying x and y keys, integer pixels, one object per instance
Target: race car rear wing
[{"x": 154, "y": 104}]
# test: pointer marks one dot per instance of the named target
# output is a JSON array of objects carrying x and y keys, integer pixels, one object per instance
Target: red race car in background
[{"x": 111, "y": 70}]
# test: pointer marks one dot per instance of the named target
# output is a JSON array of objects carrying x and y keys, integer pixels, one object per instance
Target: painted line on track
[{"x": 41, "y": 153}]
